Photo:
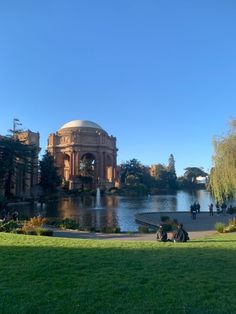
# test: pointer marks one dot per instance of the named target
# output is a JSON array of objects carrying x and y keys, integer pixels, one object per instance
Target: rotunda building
[{"x": 85, "y": 154}]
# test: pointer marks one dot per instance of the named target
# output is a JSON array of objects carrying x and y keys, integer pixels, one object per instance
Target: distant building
[
  {"x": 84, "y": 154},
  {"x": 25, "y": 176},
  {"x": 201, "y": 180},
  {"x": 153, "y": 170}
]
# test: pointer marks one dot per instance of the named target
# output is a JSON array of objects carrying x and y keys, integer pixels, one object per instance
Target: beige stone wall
[{"x": 69, "y": 145}]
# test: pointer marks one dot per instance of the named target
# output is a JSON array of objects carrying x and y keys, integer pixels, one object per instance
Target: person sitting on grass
[
  {"x": 162, "y": 235},
  {"x": 181, "y": 235}
]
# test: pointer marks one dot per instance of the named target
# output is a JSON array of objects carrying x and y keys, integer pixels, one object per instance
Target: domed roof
[{"x": 80, "y": 124}]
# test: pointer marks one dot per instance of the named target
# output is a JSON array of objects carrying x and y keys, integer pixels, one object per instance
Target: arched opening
[
  {"x": 109, "y": 170},
  {"x": 87, "y": 168},
  {"x": 66, "y": 167}
]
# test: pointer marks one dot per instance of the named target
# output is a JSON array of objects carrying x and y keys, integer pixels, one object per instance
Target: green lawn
[{"x": 55, "y": 275}]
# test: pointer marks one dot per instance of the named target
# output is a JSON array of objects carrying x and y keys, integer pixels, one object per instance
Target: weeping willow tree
[{"x": 223, "y": 174}]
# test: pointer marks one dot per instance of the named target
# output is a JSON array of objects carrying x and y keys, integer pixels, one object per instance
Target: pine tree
[{"x": 171, "y": 172}]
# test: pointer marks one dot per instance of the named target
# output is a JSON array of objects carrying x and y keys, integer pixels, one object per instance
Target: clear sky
[{"x": 160, "y": 75}]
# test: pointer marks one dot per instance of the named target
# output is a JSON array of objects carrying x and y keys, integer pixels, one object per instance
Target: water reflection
[{"x": 115, "y": 210}]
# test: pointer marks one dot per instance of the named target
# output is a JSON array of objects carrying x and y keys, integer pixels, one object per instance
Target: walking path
[{"x": 199, "y": 228}]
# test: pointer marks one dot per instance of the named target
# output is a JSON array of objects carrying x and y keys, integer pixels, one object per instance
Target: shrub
[
  {"x": 229, "y": 228},
  {"x": 110, "y": 230},
  {"x": 31, "y": 232},
  {"x": 63, "y": 223},
  {"x": 10, "y": 226},
  {"x": 232, "y": 222},
  {"x": 45, "y": 232},
  {"x": 33, "y": 223},
  {"x": 69, "y": 224},
  {"x": 219, "y": 226},
  {"x": 19, "y": 231}
]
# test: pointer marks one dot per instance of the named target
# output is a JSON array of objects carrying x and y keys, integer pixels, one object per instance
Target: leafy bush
[
  {"x": 219, "y": 226},
  {"x": 33, "y": 223},
  {"x": 45, "y": 232},
  {"x": 9, "y": 226},
  {"x": 19, "y": 231},
  {"x": 232, "y": 222},
  {"x": 69, "y": 224},
  {"x": 110, "y": 230},
  {"x": 66, "y": 223},
  {"x": 31, "y": 232},
  {"x": 229, "y": 228}
]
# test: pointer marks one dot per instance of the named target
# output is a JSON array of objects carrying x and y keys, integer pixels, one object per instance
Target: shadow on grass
[
  {"x": 94, "y": 277},
  {"x": 212, "y": 240}
]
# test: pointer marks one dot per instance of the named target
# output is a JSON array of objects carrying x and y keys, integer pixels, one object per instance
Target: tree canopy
[
  {"x": 14, "y": 155},
  {"x": 223, "y": 173},
  {"x": 49, "y": 179},
  {"x": 191, "y": 173}
]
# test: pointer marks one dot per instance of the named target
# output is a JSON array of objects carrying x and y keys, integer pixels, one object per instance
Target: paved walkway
[{"x": 201, "y": 227}]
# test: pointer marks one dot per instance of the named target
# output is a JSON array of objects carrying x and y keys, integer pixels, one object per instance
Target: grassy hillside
[{"x": 55, "y": 275}]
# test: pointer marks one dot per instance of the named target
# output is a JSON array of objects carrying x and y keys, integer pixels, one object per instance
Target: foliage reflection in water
[{"x": 116, "y": 210}]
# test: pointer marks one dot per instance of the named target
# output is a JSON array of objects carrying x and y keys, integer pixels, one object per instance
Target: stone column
[
  {"x": 77, "y": 163},
  {"x": 71, "y": 163}
]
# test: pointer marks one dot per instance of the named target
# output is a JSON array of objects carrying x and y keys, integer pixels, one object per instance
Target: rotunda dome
[{"x": 81, "y": 124}]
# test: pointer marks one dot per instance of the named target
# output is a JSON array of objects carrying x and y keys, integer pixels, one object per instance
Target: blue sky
[{"x": 159, "y": 75}]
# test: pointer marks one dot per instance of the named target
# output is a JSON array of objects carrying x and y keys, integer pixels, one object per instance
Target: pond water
[{"x": 112, "y": 211}]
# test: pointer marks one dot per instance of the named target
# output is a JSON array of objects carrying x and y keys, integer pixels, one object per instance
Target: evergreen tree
[
  {"x": 171, "y": 172},
  {"x": 49, "y": 178},
  {"x": 223, "y": 174}
]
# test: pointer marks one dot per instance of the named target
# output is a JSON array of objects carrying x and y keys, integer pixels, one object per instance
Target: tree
[
  {"x": 191, "y": 173},
  {"x": 134, "y": 174},
  {"x": 171, "y": 172},
  {"x": 131, "y": 168},
  {"x": 161, "y": 176},
  {"x": 15, "y": 157},
  {"x": 49, "y": 179},
  {"x": 223, "y": 174}
]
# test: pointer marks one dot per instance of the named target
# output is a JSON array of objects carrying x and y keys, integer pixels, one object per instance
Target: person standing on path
[
  {"x": 211, "y": 209},
  {"x": 217, "y": 208}
]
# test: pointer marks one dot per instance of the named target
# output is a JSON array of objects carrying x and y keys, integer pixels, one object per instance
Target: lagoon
[{"x": 113, "y": 210}]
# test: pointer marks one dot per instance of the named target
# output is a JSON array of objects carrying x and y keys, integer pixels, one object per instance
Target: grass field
[{"x": 55, "y": 275}]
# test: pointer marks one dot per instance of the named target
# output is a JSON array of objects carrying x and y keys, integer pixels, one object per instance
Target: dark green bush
[
  {"x": 66, "y": 223},
  {"x": 32, "y": 232},
  {"x": 9, "y": 226},
  {"x": 45, "y": 232},
  {"x": 20, "y": 231},
  {"x": 110, "y": 230}
]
